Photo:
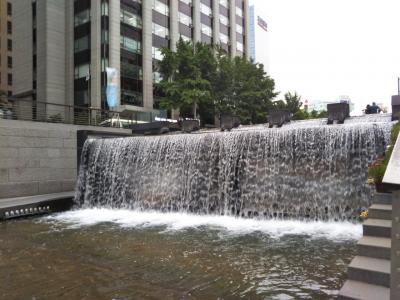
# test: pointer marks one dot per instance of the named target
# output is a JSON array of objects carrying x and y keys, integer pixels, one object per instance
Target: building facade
[
  {"x": 258, "y": 38},
  {"x": 64, "y": 47},
  {"x": 6, "y": 45}
]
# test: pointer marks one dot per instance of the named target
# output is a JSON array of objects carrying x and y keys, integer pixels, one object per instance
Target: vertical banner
[{"x": 112, "y": 87}]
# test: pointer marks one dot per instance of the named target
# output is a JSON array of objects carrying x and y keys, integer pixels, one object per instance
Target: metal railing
[{"x": 31, "y": 110}]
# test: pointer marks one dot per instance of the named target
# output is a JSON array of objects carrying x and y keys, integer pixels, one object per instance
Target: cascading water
[{"x": 303, "y": 170}]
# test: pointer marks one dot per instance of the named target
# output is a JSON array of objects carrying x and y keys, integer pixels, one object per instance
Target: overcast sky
[{"x": 326, "y": 48}]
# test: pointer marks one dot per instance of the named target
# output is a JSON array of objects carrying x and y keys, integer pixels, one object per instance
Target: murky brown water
[{"x": 52, "y": 260}]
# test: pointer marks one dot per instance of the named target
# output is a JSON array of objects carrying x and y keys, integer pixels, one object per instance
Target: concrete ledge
[{"x": 35, "y": 205}]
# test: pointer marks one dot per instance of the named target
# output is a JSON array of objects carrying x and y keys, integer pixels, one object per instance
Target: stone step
[
  {"x": 380, "y": 211},
  {"x": 382, "y": 198},
  {"x": 352, "y": 290},
  {"x": 377, "y": 227},
  {"x": 375, "y": 247},
  {"x": 370, "y": 270}
]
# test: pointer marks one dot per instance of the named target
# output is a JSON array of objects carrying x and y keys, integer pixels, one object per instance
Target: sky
[{"x": 324, "y": 49}]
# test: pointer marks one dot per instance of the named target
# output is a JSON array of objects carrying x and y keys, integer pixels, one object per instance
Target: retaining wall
[{"x": 39, "y": 158}]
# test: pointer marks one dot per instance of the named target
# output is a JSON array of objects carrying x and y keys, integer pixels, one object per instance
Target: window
[
  {"x": 131, "y": 71},
  {"x": 131, "y": 19},
  {"x": 185, "y": 38},
  {"x": 104, "y": 64},
  {"x": 188, "y": 2},
  {"x": 131, "y": 44},
  {"x": 160, "y": 7},
  {"x": 239, "y": 12},
  {"x": 81, "y": 71},
  {"x": 239, "y": 28},
  {"x": 206, "y": 30},
  {"x": 205, "y": 9},
  {"x": 157, "y": 77},
  {"x": 157, "y": 53},
  {"x": 9, "y": 45},
  {"x": 239, "y": 46},
  {"x": 223, "y": 38},
  {"x": 9, "y": 9},
  {"x": 10, "y": 79},
  {"x": 224, "y": 20},
  {"x": 9, "y": 27},
  {"x": 104, "y": 8},
  {"x": 81, "y": 44},
  {"x": 160, "y": 31},
  {"x": 104, "y": 36},
  {"x": 82, "y": 17},
  {"x": 185, "y": 19},
  {"x": 9, "y": 61},
  {"x": 82, "y": 97},
  {"x": 224, "y": 3}
]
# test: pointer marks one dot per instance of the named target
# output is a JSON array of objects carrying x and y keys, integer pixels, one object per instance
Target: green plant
[{"x": 377, "y": 170}]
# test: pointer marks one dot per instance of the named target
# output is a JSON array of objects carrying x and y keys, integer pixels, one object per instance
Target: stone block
[
  {"x": 32, "y": 153},
  {"x": 8, "y": 152},
  {"x": 69, "y": 153},
  {"x": 70, "y": 143},
  {"x": 61, "y": 174},
  {"x": 61, "y": 134},
  {"x": 55, "y": 143},
  {"x": 18, "y": 189},
  {"x": 68, "y": 185},
  {"x": 10, "y": 163},
  {"x": 3, "y": 175},
  {"x": 28, "y": 174},
  {"x": 49, "y": 187},
  {"x": 54, "y": 153},
  {"x": 58, "y": 163}
]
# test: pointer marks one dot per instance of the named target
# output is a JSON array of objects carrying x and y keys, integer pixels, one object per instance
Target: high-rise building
[
  {"x": 6, "y": 45},
  {"x": 62, "y": 48},
  {"x": 258, "y": 38}
]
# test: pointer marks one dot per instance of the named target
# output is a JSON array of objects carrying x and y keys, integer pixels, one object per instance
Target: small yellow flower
[{"x": 364, "y": 214}]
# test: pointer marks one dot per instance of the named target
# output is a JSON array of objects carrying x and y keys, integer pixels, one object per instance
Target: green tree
[
  {"x": 243, "y": 88},
  {"x": 201, "y": 79},
  {"x": 293, "y": 102},
  {"x": 186, "y": 77}
]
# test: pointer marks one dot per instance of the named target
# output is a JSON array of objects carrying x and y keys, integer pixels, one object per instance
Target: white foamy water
[{"x": 230, "y": 225}]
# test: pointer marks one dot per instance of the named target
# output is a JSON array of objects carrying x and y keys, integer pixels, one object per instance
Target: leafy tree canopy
[{"x": 199, "y": 76}]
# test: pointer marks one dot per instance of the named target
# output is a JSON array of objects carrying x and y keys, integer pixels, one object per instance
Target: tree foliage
[
  {"x": 292, "y": 102},
  {"x": 199, "y": 76}
]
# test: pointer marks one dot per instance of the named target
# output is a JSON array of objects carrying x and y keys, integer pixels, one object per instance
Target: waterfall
[{"x": 303, "y": 170}]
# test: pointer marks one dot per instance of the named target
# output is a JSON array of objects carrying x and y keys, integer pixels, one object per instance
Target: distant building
[
  {"x": 321, "y": 105},
  {"x": 6, "y": 59},
  {"x": 258, "y": 38}
]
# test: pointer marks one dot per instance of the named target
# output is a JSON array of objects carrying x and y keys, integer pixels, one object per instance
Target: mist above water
[{"x": 229, "y": 226}]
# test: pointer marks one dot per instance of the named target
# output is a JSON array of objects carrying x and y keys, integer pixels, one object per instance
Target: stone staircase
[{"x": 369, "y": 271}]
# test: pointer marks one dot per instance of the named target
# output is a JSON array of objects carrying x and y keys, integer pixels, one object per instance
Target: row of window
[
  {"x": 9, "y": 79},
  {"x": 9, "y": 45}
]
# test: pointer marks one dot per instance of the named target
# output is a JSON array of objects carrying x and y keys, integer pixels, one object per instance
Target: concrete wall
[{"x": 39, "y": 158}]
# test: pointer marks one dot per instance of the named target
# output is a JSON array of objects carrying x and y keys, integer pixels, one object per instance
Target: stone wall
[{"x": 39, "y": 158}]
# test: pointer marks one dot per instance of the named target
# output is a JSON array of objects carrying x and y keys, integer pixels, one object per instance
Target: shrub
[{"x": 377, "y": 170}]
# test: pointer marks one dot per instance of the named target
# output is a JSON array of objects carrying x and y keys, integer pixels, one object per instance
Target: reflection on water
[{"x": 156, "y": 258}]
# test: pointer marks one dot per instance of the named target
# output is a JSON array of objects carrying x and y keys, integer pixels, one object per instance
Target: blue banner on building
[{"x": 112, "y": 90}]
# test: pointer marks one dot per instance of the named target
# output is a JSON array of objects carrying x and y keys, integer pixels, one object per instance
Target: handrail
[{"x": 27, "y": 109}]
